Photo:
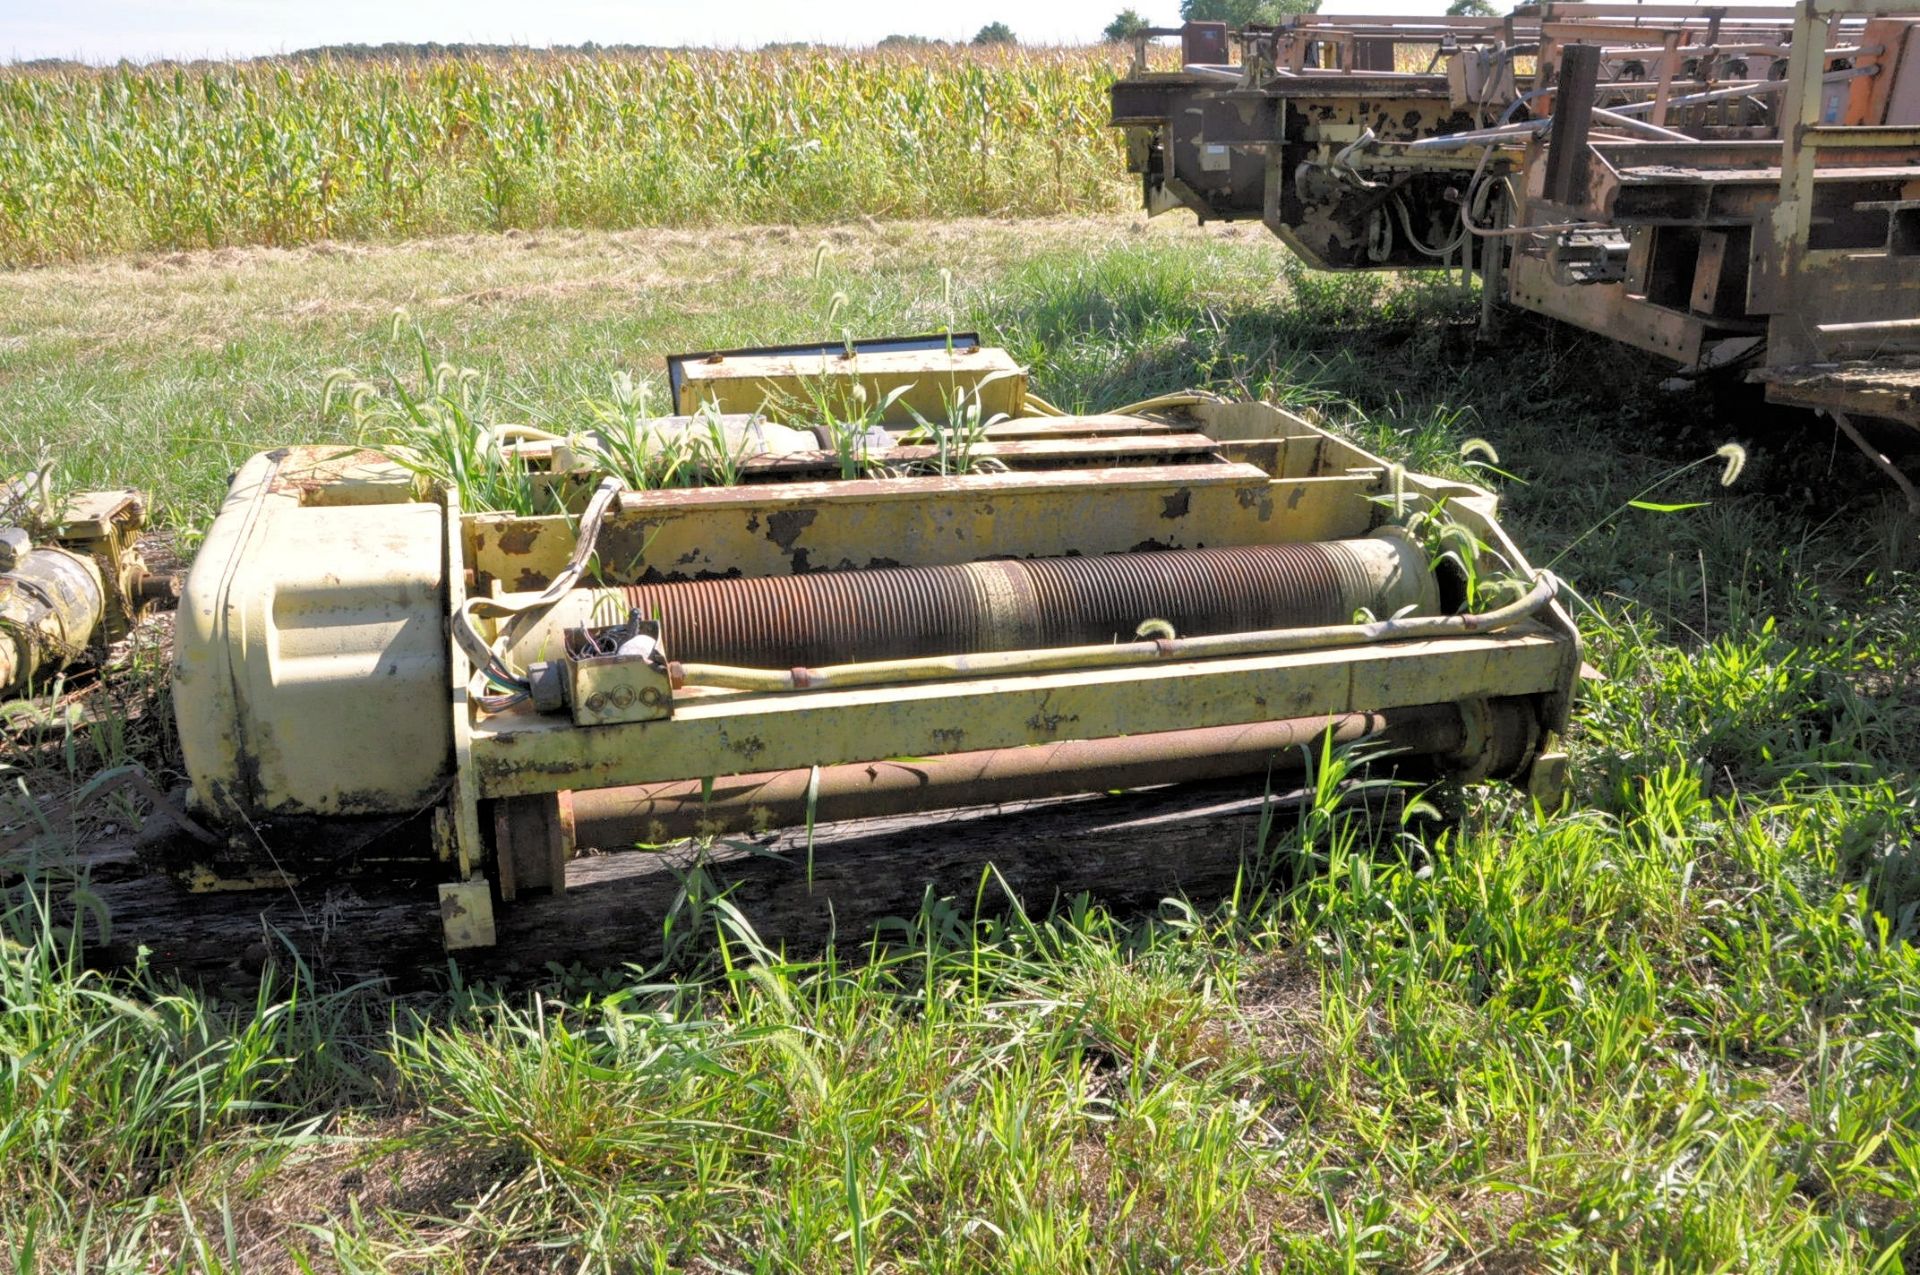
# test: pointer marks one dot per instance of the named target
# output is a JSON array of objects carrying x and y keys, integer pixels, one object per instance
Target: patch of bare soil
[
  {"x": 1279, "y": 1000},
  {"x": 377, "y": 1182}
]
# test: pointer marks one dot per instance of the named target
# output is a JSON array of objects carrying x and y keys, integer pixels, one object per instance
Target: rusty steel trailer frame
[{"x": 1727, "y": 187}]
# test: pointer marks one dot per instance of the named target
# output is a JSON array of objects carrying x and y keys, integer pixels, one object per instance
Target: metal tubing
[
  {"x": 1618, "y": 115},
  {"x": 994, "y": 663},
  {"x": 1641, "y": 127},
  {"x": 1480, "y": 136},
  {"x": 655, "y": 813},
  {"x": 1741, "y": 90}
]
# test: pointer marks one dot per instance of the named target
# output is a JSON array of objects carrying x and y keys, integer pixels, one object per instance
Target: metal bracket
[
  {"x": 466, "y": 905},
  {"x": 466, "y": 913},
  {"x": 630, "y": 685},
  {"x": 1549, "y": 780}
]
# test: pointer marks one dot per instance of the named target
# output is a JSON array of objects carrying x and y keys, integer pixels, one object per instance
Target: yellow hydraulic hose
[
  {"x": 1268, "y": 642},
  {"x": 1186, "y": 398}
]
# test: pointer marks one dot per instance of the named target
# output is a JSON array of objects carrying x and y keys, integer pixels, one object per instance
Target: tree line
[{"x": 1126, "y": 24}]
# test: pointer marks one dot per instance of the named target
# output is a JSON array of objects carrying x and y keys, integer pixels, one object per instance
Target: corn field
[{"x": 278, "y": 152}]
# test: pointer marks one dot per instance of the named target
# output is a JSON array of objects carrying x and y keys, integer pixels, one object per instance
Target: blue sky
[{"x": 105, "y": 30}]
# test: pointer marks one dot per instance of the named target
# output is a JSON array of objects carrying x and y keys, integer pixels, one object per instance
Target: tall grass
[
  {"x": 280, "y": 153},
  {"x": 1671, "y": 1029}
]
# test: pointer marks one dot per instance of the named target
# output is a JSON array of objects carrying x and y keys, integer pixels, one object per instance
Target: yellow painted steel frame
[
  {"x": 466, "y": 905},
  {"x": 521, "y": 754},
  {"x": 1307, "y": 486}
]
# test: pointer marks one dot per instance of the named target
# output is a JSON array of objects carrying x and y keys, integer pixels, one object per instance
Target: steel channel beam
[
  {"x": 1855, "y": 9},
  {"x": 521, "y": 753},
  {"x": 1567, "y": 155},
  {"x": 780, "y": 529},
  {"x": 1608, "y": 309},
  {"x": 1861, "y": 137}
]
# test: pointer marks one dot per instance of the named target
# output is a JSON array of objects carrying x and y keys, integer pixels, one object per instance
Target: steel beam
[{"x": 520, "y": 753}]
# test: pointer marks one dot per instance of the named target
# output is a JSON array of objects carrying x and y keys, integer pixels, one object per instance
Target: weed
[
  {"x": 442, "y": 432},
  {"x": 1672, "y": 1029}
]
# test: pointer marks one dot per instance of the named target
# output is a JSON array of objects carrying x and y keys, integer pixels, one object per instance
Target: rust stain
[
  {"x": 784, "y": 526},
  {"x": 1050, "y": 723},
  {"x": 518, "y": 538},
  {"x": 322, "y": 471}
]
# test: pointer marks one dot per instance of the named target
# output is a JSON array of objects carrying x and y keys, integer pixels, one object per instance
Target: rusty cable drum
[{"x": 833, "y": 617}]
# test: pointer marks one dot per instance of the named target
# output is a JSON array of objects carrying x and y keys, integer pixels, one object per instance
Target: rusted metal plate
[
  {"x": 1608, "y": 309},
  {"x": 521, "y": 753},
  {"x": 791, "y": 528},
  {"x": 466, "y": 914},
  {"x": 1147, "y": 99},
  {"x": 93, "y": 513},
  {"x": 1568, "y": 156},
  {"x": 1367, "y": 88},
  {"x": 342, "y": 476},
  {"x": 1890, "y": 391},
  {"x": 1709, "y": 271}
]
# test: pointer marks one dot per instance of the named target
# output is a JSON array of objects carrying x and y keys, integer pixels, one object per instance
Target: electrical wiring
[
  {"x": 488, "y": 658},
  {"x": 1406, "y": 228},
  {"x": 1467, "y": 212},
  {"x": 1379, "y": 235}
]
